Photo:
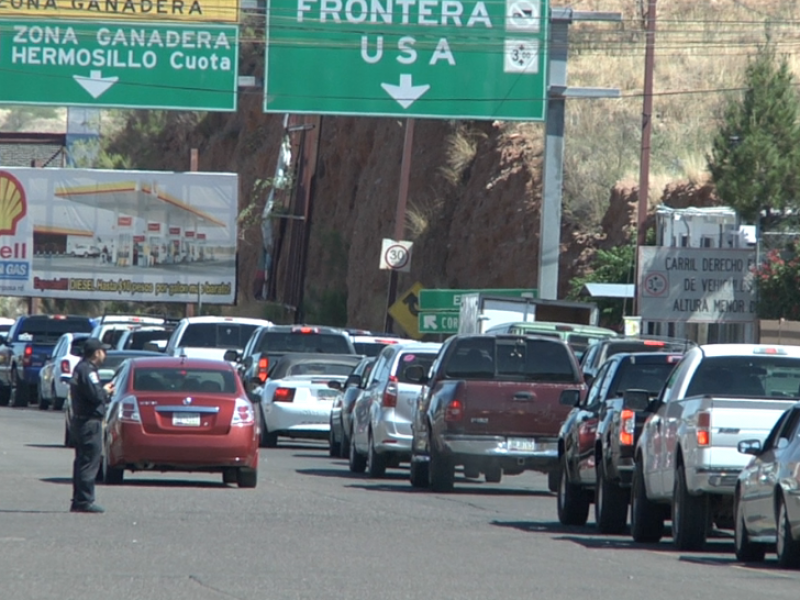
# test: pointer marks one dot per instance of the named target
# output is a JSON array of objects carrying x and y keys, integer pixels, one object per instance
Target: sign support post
[{"x": 400, "y": 215}]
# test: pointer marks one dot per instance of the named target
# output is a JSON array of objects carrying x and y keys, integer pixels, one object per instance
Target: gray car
[
  {"x": 342, "y": 409},
  {"x": 384, "y": 411},
  {"x": 767, "y": 497}
]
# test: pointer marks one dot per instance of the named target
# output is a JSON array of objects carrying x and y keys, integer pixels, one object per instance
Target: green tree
[
  {"x": 615, "y": 265},
  {"x": 755, "y": 156}
]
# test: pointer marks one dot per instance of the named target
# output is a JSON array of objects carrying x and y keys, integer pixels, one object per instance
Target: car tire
[
  {"x": 230, "y": 475},
  {"x": 647, "y": 517},
  {"x": 112, "y": 475},
  {"x": 493, "y": 474},
  {"x": 246, "y": 477},
  {"x": 418, "y": 474},
  {"x": 746, "y": 551},
  {"x": 689, "y": 515},
  {"x": 472, "y": 473},
  {"x": 441, "y": 471},
  {"x": 44, "y": 403},
  {"x": 269, "y": 439},
  {"x": 786, "y": 547},
  {"x": 334, "y": 447},
  {"x": 572, "y": 501},
  {"x": 58, "y": 403},
  {"x": 344, "y": 446},
  {"x": 5, "y": 395},
  {"x": 610, "y": 504},
  {"x": 356, "y": 461},
  {"x": 376, "y": 463},
  {"x": 553, "y": 479},
  {"x": 21, "y": 398}
]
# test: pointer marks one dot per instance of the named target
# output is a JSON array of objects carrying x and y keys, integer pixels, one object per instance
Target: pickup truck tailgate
[{"x": 513, "y": 407}]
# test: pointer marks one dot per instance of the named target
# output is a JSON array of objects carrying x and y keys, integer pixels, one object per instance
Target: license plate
[
  {"x": 521, "y": 445},
  {"x": 186, "y": 419},
  {"x": 327, "y": 394}
]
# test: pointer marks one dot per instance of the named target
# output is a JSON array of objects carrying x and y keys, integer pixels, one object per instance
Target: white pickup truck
[{"x": 686, "y": 462}]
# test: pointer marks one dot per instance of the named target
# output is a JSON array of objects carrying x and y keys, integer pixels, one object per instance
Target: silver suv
[{"x": 384, "y": 411}]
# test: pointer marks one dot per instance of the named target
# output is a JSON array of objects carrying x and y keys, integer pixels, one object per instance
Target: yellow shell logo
[{"x": 12, "y": 203}]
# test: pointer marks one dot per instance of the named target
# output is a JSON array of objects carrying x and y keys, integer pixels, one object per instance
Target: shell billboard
[{"x": 106, "y": 235}]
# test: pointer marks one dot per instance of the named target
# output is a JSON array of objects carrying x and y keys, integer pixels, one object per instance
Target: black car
[
  {"x": 342, "y": 409},
  {"x": 267, "y": 344},
  {"x": 597, "y": 440},
  {"x": 598, "y": 353}
]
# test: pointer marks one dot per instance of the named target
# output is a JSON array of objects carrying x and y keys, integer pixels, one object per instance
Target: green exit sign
[
  {"x": 438, "y": 322},
  {"x": 451, "y": 299},
  {"x": 131, "y": 65}
]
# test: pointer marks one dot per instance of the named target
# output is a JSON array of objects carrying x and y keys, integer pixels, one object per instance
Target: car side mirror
[
  {"x": 231, "y": 356},
  {"x": 569, "y": 397},
  {"x": 352, "y": 381},
  {"x": 335, "y": 385},
  {"x": 749, "y": 447},
  {"x": 416, "y": 374},
  {"x": 636, "y": 400}
]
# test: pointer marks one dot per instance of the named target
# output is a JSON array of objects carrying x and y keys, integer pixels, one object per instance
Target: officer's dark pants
[{"x": 87, "y": 435}]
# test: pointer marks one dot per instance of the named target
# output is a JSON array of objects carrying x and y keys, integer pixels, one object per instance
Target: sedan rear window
[
  {"x": 412, "y": 359},
  {"x": 205, "y": 381},
  {"x": 319, "y": 369},
  {"x": 634, "y": 376},
  {"x": 216, "y": 335}
]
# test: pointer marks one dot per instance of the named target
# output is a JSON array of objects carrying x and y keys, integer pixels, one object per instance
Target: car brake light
[
  {"x": 263, "y": 367},
  {"x": 65, "y": 367},
  {"x": 243, "y": 413},
  {"x": 27, "y": 356},
  {"x": 305, "y": 329},
  {"x": 283, "y": 395},
  {"x": 389, "y": 399},
  {"x": 129, "y": 410},
  {"x": 653, "y": 343},
  {"x": 454, "y": 411},
  {"x": 703, "y": 428},
  {"x": 627, "y": 426}
]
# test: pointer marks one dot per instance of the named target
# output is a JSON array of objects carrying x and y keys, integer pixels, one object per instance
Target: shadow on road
[
  {"x": 149, "y": 483},
  {"x": 61, "y": 446},
  {"x": 33, "y": 512},
  {"x": 59, "y": 480},
  {"x": 343, "y": 473},
  {"x": 469, "y": 489}
]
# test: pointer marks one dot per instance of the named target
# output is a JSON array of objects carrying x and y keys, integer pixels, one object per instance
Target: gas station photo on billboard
[{"x": 94, "y": 234}]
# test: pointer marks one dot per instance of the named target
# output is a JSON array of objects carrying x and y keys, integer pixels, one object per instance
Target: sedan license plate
[
  {"x": 186, "y": 419},
  {"x": 521, "y": 445}
]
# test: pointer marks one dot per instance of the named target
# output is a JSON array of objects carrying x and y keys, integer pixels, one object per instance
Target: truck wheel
[
  {"x": 5, "y": 395},
  {"x": 746, "y": 551},
  {"x": 20, "y": 392},
  {"x": 493, "y": 474},
  {"x": 357, "y": 462},
  {"x": 610, "y": 504},
  {"x": 787, "y": 548},
  {"x": 553, "y": 479},
  {"x": 572, "y": 500},
  {"x": 647, "y": 517},
  {"x": 418, "y": 474},
  {"x": 689, "y": 515},
  {"x": 441, "y": 472},
  {"x": 376, "y": 463}
]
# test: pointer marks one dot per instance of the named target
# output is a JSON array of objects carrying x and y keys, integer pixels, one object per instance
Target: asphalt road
[{"x": 311, "y": 530}]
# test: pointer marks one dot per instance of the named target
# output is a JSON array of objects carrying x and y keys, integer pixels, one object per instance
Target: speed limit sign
[{"x": 396, "y": 255}]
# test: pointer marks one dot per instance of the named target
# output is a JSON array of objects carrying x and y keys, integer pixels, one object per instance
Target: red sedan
[{"x": 180, "y": 414}]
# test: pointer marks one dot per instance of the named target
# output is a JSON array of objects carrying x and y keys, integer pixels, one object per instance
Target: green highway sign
[
  {"x": 438, "y": 322},
  {"x": 127, "y": 65},
  {"x": 464, "y": 59},
  {"x": 444, "y": 300}
]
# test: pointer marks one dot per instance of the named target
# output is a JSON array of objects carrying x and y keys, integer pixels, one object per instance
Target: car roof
[
  {"x": 217, "y": 319},
  {"x": 648, "y": 357},
  {"x": 300, "y": 328},
  {"x": 296, "y": 358},
  {"x": 157, "y": 360},
  {"x": 750, "y": 349},
  {"x": 417, "y": 346},
  {"x": 135, "y": 353}
]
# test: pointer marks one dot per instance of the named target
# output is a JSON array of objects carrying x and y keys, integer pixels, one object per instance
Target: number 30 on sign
[{"x": 396, "y": 255}]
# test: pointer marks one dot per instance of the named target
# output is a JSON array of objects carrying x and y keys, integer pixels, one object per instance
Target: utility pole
[{"x": 647, "y": 121}]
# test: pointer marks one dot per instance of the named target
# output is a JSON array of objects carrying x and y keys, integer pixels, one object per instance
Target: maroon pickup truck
[{"x": 491, "y": 404}]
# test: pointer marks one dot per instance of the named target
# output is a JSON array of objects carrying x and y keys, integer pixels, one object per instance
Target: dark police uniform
[{"x": 89, "y": 400}]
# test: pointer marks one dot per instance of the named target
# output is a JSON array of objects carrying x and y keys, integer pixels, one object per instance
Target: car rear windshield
[
  {"x": 216, "y": 335},
  {"x": 205, "y": 381},
  {"x": 368, "y": 348},
  {"x": 49, "y": 330},
  {"x": 319, "y": 368},
  {"x": 637, "y": 376},
  {"x": 296, "y": 342},
  {"x": 76, "y": 347},
  {"x": 137, "y": 339},
  {"x": 747, "y": 377},
  {"x": 512, "y": 359},
  {"x": 412, "y": 359},
  {"x": 644, "y": 346}
]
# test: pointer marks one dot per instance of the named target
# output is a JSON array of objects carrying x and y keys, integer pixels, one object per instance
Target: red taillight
[
  {"x": 65, "y": 367},
  {"x": 653, "y": 343},
  {"x": 263, "y": 367},
  {"x": 129, "y": 410},
  {"x": 27, "y": 356},
  {"x": 454, "y": 411},
  {"x": 627, "y": 427},
  {"x": 283, "y": 395},
  {"x": 703, "y": 428},
  {"x": 390, "y": 393},
  {"x": 243, "y": 413}
]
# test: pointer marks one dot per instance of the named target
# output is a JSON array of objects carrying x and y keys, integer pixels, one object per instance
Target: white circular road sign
[{"x": 396, "y": 256}]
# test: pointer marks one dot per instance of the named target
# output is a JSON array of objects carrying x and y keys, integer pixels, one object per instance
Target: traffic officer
[{"x": 89, "y": 399}]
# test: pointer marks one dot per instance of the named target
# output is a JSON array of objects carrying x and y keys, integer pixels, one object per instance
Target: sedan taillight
[
  {"x": 283, "y": 394},
  {"x": 389, "y": 399},
  {"x": 129, "y": 410},
  {"x": 65, "y": 367},
  {"x": 243, "y": 413}
]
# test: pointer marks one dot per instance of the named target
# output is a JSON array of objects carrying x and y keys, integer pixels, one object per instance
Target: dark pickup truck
[
  {"x": 598, "y": 438},
  {"x": 29, "y": 343},
  {"x": 491, "y": 404}
]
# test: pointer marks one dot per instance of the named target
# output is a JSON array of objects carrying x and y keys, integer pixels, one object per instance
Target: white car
[
  {"x": 297, "y": 398},
  {"x": 370, "y": 344},
  {"x": 211, "y": 337},
  {"x": 136, "y": 338},
  {"x": 111, "y": 327},
  {"x": 54, "y": 376}
]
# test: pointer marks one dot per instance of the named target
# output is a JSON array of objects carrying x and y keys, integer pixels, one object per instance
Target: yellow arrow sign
[{"x": 406, "y": 311}]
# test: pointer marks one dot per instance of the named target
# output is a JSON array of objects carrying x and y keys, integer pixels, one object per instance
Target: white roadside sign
[
  {"x": 396, "y": 255},
  {"x": 710, "y": 285}
]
